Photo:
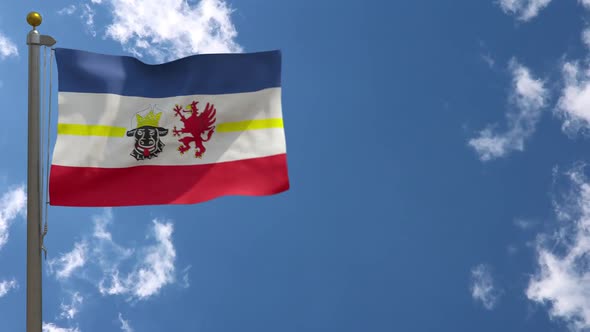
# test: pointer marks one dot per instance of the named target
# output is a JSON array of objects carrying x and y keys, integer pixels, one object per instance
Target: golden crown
[{"x": 150, "y": 119}]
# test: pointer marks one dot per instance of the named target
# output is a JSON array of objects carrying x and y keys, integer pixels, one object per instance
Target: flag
[{"x": 180, "y": 132}]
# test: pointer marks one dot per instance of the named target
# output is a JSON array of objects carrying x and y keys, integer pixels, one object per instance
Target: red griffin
[{"x": 195, "y": 126}]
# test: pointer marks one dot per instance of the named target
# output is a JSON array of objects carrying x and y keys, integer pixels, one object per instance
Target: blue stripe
[{"x": 81, "y": 71}]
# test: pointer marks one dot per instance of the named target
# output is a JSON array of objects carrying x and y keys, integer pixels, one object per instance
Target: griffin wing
[{"x": 208, "y": 116}]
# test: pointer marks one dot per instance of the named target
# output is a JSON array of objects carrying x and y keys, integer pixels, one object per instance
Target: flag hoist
[{"x": 34, "y": 177}]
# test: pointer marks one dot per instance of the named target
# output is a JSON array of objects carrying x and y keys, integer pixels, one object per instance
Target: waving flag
[{"x": 181, "y": 132}]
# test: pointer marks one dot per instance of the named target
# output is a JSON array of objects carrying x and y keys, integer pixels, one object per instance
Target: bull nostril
[{"x": 147, "y": 142}]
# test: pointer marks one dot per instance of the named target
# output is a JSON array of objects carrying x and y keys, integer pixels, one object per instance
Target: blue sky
[{"x": 437, "y": 154}]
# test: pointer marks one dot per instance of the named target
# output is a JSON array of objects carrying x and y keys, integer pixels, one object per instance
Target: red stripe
[{"x": 151, "y": 185}]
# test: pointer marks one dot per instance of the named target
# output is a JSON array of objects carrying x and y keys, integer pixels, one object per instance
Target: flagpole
[{"x": 34, "y": 276}]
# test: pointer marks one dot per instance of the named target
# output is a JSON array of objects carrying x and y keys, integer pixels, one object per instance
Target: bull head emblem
[{"x": 147, "y": 136}]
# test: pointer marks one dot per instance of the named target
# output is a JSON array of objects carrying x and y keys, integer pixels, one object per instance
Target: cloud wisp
[
  {"x": 66, "y": 264},
  {"x": 6, "y": 286},
  {"x": 151, "y": 273},
  {"x": 12, "y": 204},
  {"x": 528, "y": 97},
  {"x": 86, "y": 13},
  {"x": 525, "y": 224},
  {"x": 524, "y": 10},
  {"x": 51, "y": 327},
  {"x": 483, "y": 289},
  {"x": 136, "y": 273},
  {"x": 7, "y": 47},
  {"x": 69, "y": 10},
  {"x": 164, "y": 29},
  {"x": 562, "y": 281},
  {"x": 573, "y": 105},
  {"x": 125, "y": 326},
  {"x": 69, "y": 311}
]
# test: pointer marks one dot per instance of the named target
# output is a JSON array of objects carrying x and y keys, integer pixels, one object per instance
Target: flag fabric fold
[{"x": 181, "y": 132}]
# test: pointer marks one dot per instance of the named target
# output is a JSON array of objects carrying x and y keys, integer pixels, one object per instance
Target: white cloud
[
  {"x": 6, "y": 286},
  {"x": 107, "y": 253},
  {"x": 530, "y": 93},
  {"x": 524, "y": 9},
  {"x": 529, "y": 96},
  {"x": 100, "y": 250},
  {"x": 125, "y": 327},
  {"x": 574, "y": 103},
  {"x": 50, "y": 327},
  {"x": 100, "y": 225},
  {"x": 185, "y": 279},
  {"x": 563, "y": 279},
  {"x": 511, "y": 249},
  {"x": 488, "y": 60},
  {"x": 66, "y": 264},
  {"x": 170, "y": 29},
  {"x": 490, "y": 146},
  {"x": 524, "y": 223},
  {"x": 118, "y": 273},
  {"x": 87, "y": 14},
  {"x": 157, "y": 269},
  {"x": 482, "y": 286},
  {"x": 69, "y": 10},
  {"x": 153, "y": 272},
  {"x": 87, "y": 17},
  {"x": 69, "y": 311},
  {"x": 12, "y": 204},
  {"x": 7, "y": 47},
  {"x": 586, "y": 37}
]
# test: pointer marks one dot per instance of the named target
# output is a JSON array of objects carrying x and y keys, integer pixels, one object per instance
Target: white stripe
[
  {"x": 113, "y": 152},
  {"x": 115, "y": 110}
]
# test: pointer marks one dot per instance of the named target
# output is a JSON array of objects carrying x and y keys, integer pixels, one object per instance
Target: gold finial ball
[{"x": 34, "y": 19}]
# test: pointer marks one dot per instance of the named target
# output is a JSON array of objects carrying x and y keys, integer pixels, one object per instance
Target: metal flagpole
[{"x": 34, "y": 303}]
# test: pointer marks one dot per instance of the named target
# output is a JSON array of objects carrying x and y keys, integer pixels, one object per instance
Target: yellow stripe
[
  {"x": 250, "y": 125},
  {"x": 226, "y": 127},
  {"x": 90, "y": 130}
]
